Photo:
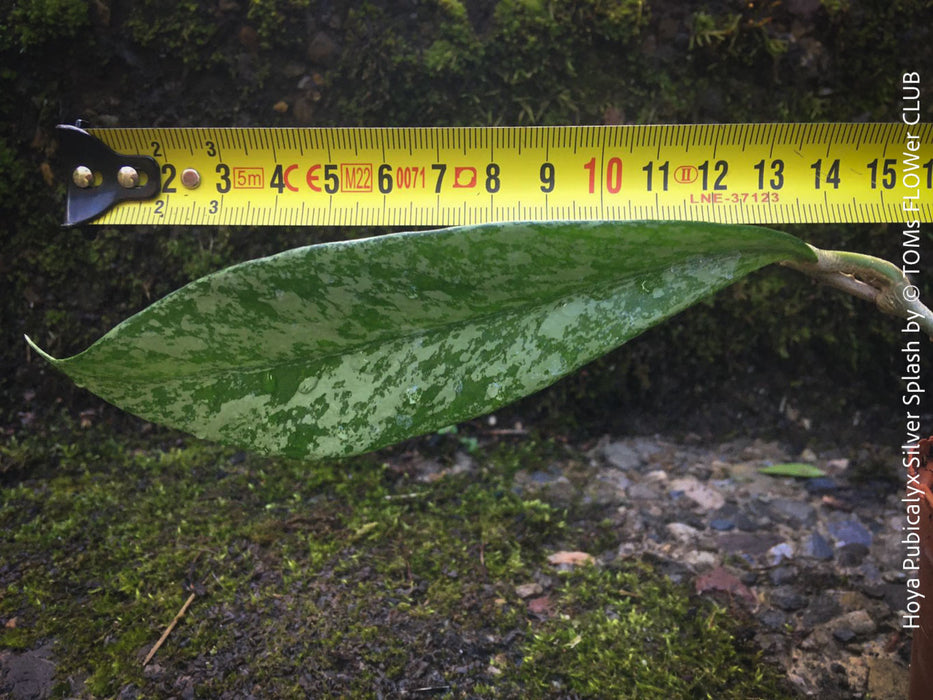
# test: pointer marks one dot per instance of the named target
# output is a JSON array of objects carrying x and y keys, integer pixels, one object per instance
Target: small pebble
[
  {"x": 859, "y": 621},
  {"x": 781, "y": 575},
  {"x": 849, "y": 531},
  {"x": 821, "y": 485},
  {"x": 527, "y": 590},
  {"x": 783, "y": 544},
  {"x": 773, "y": 619},
  {"x": 745, "y": 523},
  {"x": 808, "y": 455},
  {"x": 621, "y": 455},
  {"x": 780, "y": 552},
  {"x": 787, "y": 598},
  {"x": 815, "y": 546},
  {"x": 792, "y": 511},
  {"x": 852, "y": 554},
  {"x": 822, "y": 608},
  {"x": 682, "y": 532}
]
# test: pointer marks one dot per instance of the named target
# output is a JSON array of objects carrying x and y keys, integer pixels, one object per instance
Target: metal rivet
[
  {"x": 128, "y": 177},
  {"x": 190, "y": 178},
  {"x": 83, "y": 177}
]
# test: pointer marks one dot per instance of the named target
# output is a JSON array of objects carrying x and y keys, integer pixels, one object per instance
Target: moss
[
  {"x": 274, "y": 21},
  {"x": 184, "y": 31},
  {"x": 302, "y": 574},
  {"x": 738, "y": 35},
  {"x": 35, "y": 24},
  {"x": 519, "y": 65},
  {"x": 686, "y": 649}
]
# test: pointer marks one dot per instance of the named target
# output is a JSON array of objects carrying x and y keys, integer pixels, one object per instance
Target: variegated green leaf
[{"x": 341, "y": 348}]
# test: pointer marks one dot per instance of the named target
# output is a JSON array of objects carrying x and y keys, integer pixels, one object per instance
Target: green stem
[{"x": 872, "y": 279}]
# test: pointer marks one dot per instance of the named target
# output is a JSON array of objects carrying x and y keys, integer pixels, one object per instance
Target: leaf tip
[{"x": 42, "y": 353}]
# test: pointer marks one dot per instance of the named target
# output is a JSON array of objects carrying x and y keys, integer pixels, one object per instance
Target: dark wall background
[{"x": 773, "y": 354}]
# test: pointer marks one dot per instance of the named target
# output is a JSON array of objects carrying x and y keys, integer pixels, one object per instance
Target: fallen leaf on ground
[
  {"x": 798, "y": 470},
  {"x": 719, "y": 579}
]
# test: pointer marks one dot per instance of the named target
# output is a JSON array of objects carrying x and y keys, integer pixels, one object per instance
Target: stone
[
  {"x": 792, "y": 511},
  {"x": 822, "y": 608},
  {"x": 773, "y": 619},
  {"x": 853, "y": 600},
  {"x": 322, "y": 49},
  {"x": 815, "y": 546},
  {"x": 28, "y": 675},
  {"x": 745, "y": 523},
  {"x": 852, "y": 554},
  {"x": 527, "y": 590},
  {"x": 745, "y": 543},
  {"x": 858, "y": 621},
  {"x": 843, "y": 634},
  {"x": 729, "y": 510},
  {"x": 308, "y": 82},
  {"x": 706, "y": 497},
  {"x": 849, "y": 531},
  {"x": 683, "y": 533},
  {"x": 607, "y": 488},
  {"x": 551, "y": 485},
  {"x": 249, "y": 38},
  {"x": 788, "y": 598},
  {"x": 780, "y": 552},
  {"x": 821, "y": 485},
  {"x": 781, "y": 575},
  {"x": 658, "y": 476},
  {"x": 621, "y": 455},
  {"x": 700, "y": 560},
  {"x": 819, "y": 638},
  {"x": 856, "y": 671},
  {"x": 722, "y": 524},
  {"x": 303, "y": 110},
  {"x": 808, "y": 455},
  {"x": 643, "y": 492}
]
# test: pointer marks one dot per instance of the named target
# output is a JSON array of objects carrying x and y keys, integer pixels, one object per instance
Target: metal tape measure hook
[{"x": 100, "y": 178}]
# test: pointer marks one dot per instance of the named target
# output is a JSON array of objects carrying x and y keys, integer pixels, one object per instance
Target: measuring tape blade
[{"x": 727, "y": 173}]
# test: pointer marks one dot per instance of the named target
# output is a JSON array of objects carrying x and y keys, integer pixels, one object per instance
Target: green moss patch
[{"x": 348, "y": 578}]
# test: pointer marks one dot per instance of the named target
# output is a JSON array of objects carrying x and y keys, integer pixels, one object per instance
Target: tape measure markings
[{"x": 743, "y": 173}]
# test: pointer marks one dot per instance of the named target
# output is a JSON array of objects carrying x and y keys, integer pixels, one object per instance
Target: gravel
[{"x": 815, "y": 562}]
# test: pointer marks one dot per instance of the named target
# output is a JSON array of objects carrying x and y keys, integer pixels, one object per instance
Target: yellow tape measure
[{"x": 730, "y": 173}]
